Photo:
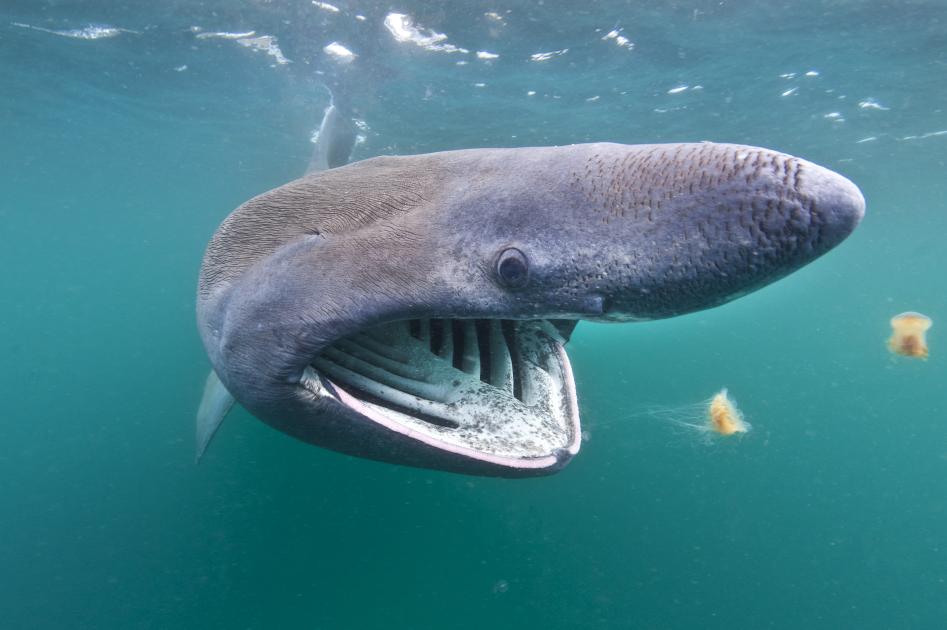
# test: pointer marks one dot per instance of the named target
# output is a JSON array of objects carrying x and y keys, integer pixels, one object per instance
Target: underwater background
[{"x": 129, "y": 130}]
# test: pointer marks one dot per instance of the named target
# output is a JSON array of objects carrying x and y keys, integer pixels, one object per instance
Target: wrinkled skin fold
[{"x": 415, "y": 309}]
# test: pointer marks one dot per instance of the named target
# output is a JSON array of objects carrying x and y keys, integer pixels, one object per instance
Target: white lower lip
[{"x": 508, "y": 462}]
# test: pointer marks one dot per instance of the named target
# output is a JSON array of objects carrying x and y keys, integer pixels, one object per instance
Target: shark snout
[
  {"x": 713, "y": 222},
  {"x": 835, "y": 203}
]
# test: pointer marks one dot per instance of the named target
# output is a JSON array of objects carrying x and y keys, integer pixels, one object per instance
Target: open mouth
[{"x": 500, "y": 391}]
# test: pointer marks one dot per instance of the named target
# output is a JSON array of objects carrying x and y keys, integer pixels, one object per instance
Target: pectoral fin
[{"x": 215, "y": 404}]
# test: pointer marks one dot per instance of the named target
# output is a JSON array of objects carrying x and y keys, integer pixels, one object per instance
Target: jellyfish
[
  {"x": 715, "y": 416},
  {"x": 723, "y": 415},
  {"x": 909, "y": 335}
]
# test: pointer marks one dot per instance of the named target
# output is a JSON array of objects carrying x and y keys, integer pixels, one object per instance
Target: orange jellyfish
[
  {"x": 909, "y": 336},
  {"x": 710, "y": 418},
  {"x": 724, "y": 416}
]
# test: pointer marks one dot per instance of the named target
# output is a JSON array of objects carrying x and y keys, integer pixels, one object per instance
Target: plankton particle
[{"x": 909, "y": 336}]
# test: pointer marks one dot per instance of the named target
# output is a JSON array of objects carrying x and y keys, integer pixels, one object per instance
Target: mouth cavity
[{"x": 495, "y": 390}]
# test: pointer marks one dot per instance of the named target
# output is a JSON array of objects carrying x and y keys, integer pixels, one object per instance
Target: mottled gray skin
[{"x": 612, "y": 233}]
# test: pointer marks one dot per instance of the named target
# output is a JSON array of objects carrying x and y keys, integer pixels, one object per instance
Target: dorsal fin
[
  {"x": 334, "y": 141},
  {"x": 215, "y": 404}
]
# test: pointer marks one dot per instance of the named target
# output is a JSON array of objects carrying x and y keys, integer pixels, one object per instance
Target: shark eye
[{"x": 512, "y": 268}]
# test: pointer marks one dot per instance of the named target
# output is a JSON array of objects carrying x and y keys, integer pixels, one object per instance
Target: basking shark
[{"x": 416, "y": 309}]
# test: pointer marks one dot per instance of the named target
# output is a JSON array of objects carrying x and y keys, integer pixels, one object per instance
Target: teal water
[{"x": 122, "y": 153}]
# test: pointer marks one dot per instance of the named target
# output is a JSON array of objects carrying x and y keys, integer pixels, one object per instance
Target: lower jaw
[{"x": 499, "y": 392}]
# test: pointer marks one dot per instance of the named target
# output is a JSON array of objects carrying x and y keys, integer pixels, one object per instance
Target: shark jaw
[{"x": 497, "y": 391}]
